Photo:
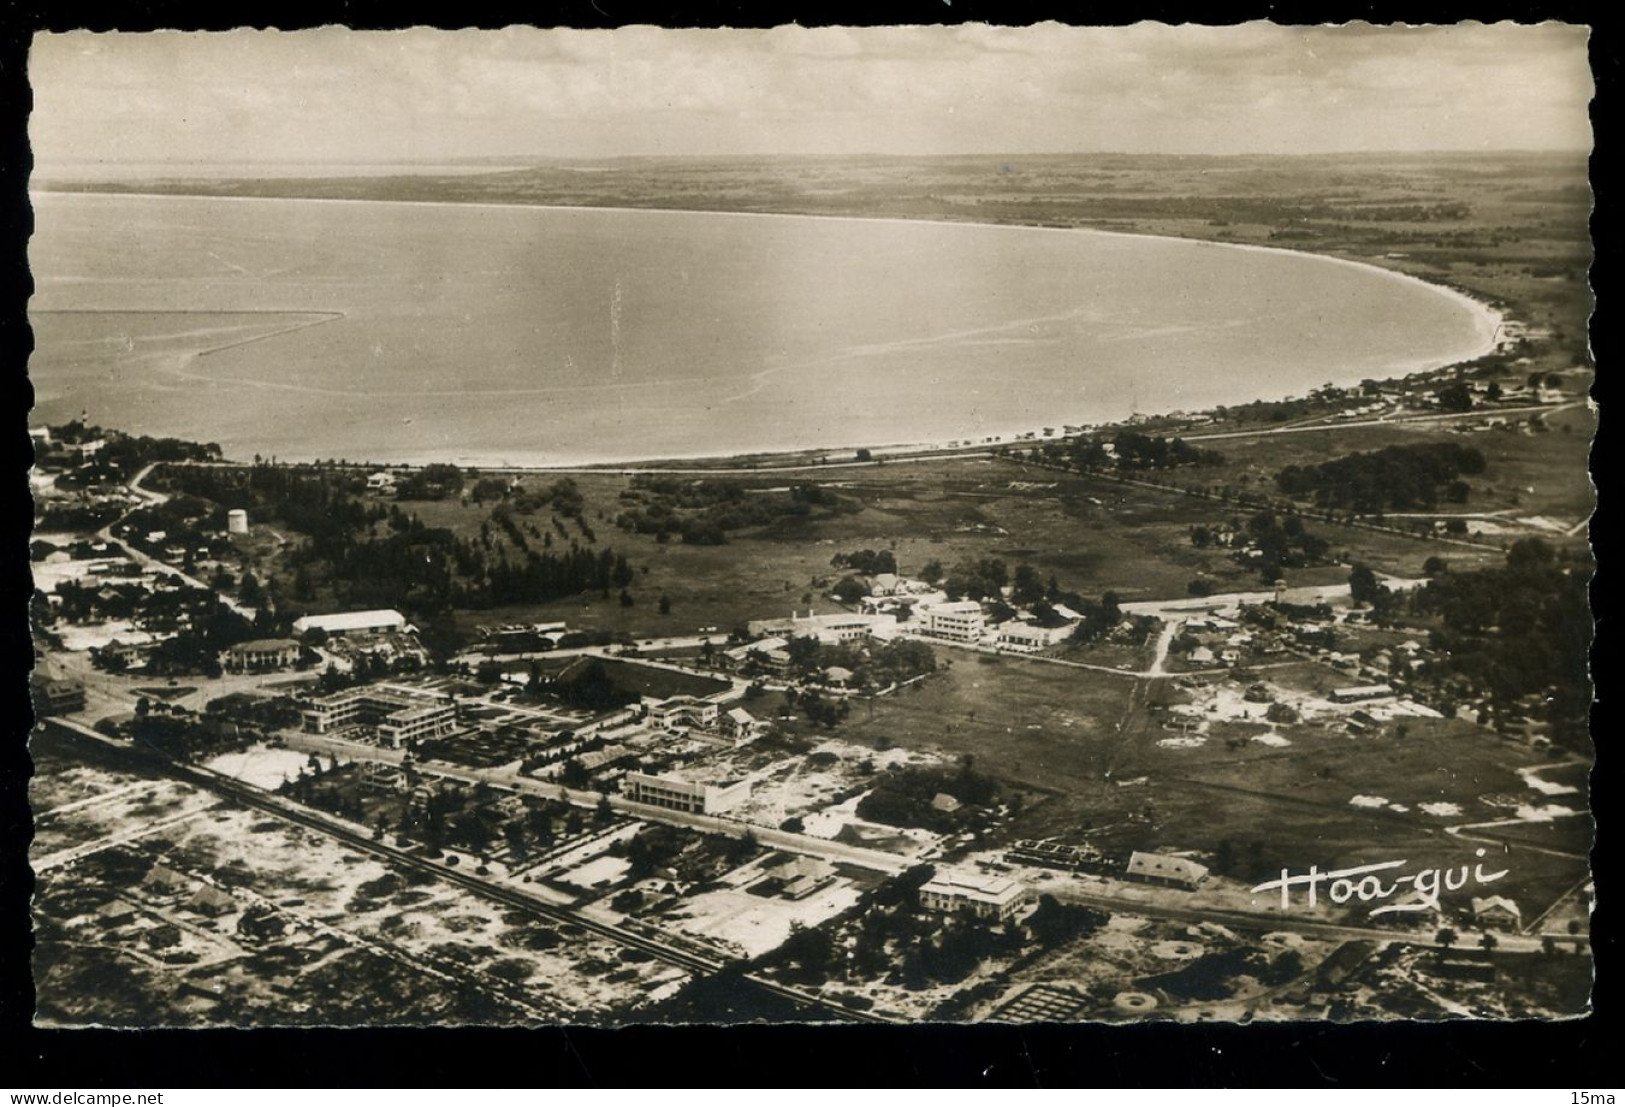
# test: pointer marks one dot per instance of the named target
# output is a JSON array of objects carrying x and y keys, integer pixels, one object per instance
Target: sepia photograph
[{"x": 890, "y": 525}]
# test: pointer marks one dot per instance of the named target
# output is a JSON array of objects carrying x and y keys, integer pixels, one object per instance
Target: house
[
  {"x": 986, "y": 897},
  {"x": 945, "y": 803},
  {"x": 1496, "y": 913},
  {"x": 959, "y": 622},
  {"x": 115, "y": 913},
  {"x": 682, "y": 792},
  {"x": 800, "y": 877},
  {"x": 378, "y": 777},
  {"x": 837, "y": 677},
  {"x": 380, "y": 621},
  {"x": 381, "y": 482},
  {"x": 758, "y": 650},
  {"x": 260, "y": 655},
  {"x": 884, "y": 584},
  {"x": 211, "y": 901},
  {"x": 58, "y": 697},
  {"x": 689, "y": 712},
  {"x": 165, "y": 881},
  {"x": 124, "y": 655},
  {"x": 603, "y": 758},
  {"x": 1412, "y": 910},
  {"x": 1169, "y": 871},
  {"x": 739, "y": 724}
]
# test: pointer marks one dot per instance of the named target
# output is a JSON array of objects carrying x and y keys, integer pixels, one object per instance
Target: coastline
[{"x": 1487, "y": 319}]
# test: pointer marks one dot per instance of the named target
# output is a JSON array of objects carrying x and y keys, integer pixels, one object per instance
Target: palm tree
[{"x": 1446, "y": 937}]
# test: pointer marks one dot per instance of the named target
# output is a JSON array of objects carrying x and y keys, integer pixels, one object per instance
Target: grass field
[{"x": 1086, "y": 744}]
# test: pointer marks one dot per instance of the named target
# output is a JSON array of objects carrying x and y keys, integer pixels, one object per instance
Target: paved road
[
  {"x": 152, "y": 563},
  {"x": 1397, "y": 421}
]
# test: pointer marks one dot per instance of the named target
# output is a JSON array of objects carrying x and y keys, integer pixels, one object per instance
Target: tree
[
  {"x": 1364, "y": 588},
  {"x": 1488, "y": 943},
  {"x": 665, "y": 604},
  {"x": 743, "y": 848},
  {"x": 603, "y": 812},
  {"x": 1027, "y": 587},
  {"x": 1455, "y": 397},
  {"x": 1446, "y": 937},
  {"x": 808, "y": 948},
  {"x": 849, "y": 590},
  {"x": 518, "y": 838}
]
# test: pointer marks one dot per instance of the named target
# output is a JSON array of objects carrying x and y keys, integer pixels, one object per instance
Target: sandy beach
[{"x": 208, "y": 368}]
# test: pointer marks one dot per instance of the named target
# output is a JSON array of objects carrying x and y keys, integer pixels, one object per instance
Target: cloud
[{"x": 336, "y": 94}]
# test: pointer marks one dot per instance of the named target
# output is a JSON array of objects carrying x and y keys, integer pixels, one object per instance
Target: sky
[{"x": 338, "y": 95}]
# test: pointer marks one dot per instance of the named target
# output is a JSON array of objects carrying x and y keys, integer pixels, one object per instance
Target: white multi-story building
[
  {"x": 986, "y": 897},
  {"x": 962, "y": 621},
  {"x": 684, "y": 711},
  {"x": 399, "y": 713},
  {"x": 676, "y": 792},
  {"x": 739, "y": 724}
]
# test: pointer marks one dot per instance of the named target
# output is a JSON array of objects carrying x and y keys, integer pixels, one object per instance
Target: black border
[{"x": 1557, "y": 1055}]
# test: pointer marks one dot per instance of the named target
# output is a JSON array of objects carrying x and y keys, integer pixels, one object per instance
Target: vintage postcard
[{"x": 889, "y": 525}]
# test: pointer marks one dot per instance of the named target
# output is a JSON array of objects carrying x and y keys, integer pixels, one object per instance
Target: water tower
[{"x": 236, "y": 521}]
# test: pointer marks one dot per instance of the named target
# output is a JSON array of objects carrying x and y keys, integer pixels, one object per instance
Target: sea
[{"x": 494, "y": 334}]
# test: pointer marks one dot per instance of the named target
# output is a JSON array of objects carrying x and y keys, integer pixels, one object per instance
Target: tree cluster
[
  {"x": 1395, "y": 478},
  {"x": 1523, "y": 630},
  {"x": 903, "y": 796},
  {"x": 702, "y": 512}
]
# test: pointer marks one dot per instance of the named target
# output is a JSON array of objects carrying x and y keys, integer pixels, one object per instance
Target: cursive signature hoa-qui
[{"x": 1363, "y": 883}]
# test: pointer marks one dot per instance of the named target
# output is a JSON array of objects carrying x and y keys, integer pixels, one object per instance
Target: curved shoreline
[{"x": 1488, "y": 320}]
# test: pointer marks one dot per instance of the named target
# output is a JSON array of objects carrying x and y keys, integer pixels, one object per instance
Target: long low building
[
  {"x": 830, "y": 630},
  {"x": 381, "y": 621},
  {"x": 677, "y": 792},
  {"x": 986, "y": 897},
  {"x": 1363, "y": 692},
  {"x": 260, "y": 655},
  {"x": 399, "y": 713},
  {"x": 1165, "y": 869},
  {"x": 1020, "y": 637}
]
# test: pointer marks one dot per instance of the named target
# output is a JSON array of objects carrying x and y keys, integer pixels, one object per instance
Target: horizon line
[{"x": 474, "y": 159}]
